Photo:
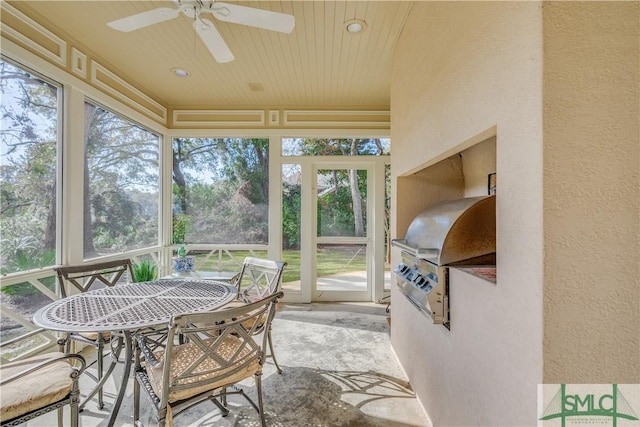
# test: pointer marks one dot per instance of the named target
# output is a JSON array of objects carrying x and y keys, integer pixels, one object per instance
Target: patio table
[{"x": 129, "y": 308}]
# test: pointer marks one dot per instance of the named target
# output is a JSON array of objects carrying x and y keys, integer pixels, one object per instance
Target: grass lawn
[{"x": 331, "y": 260}]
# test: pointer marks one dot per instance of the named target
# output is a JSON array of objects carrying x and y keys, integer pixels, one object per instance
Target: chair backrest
[
  {"x": 259, "y": 278},
  {"x": 219, "y": 347},
  {"x": 87, "y": 276}
]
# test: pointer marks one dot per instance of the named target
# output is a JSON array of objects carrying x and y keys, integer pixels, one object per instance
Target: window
[
  {"x": 291, "y": 221},
  {"x": 121, "y": 184},
  {"x": 29, "y": 139},
  {"x": 336, "y": 146},
  {"x": 342, "y": 202},
  {"x": 220, "y": 190}
]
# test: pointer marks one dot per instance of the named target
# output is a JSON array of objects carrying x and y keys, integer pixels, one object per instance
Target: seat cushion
[
  {"x": 182, "y": 357},
  {"x": 247, "y": 300},
  {"x": 35, "y": 390}
]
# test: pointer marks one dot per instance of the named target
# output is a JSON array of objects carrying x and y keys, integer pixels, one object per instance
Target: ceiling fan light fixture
[
  {"x": 355, "y": 26},
  {"x": 180, "y": 72},
  {"x": 206, "y": 30}
]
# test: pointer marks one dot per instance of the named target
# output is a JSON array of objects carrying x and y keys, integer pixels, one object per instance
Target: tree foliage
[
  {"x": 28, "y": 136},
  {"x": 291, "y": 203},
  {"x": 221, "y": 190},
  {"x": 121, "y": 183},
  {"x": 342, "y": 193}
]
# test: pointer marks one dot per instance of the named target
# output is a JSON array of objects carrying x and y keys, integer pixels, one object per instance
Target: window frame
[
  {"x": 159, "y": 234},
  {"x": 186, "y": 170},
  {"x": 60, "y": 117}
]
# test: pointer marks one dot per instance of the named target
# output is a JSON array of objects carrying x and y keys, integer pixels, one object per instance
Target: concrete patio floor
[{"x": 339, "y": 370}]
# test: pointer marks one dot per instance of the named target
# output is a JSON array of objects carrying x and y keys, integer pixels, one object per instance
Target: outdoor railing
[{"x": 23, "y": 293}]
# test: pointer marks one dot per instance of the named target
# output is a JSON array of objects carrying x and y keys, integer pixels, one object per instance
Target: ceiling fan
[{"x": 205, "y": 28}]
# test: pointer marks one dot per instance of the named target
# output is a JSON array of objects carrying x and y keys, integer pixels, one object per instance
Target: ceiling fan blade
[
  {"x": 144, "y": 19},
  {"x": 213, "y": 40},
  {"x": 253, "y": 17}
]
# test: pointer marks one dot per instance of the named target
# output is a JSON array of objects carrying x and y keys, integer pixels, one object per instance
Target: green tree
[
  {"x": 197, "y": 155},
  {"x": 346, "y": 147},
  {"x": 291, "y": 203},
  {"x": 28, "y": 135},
  {"x": 220, "y": 190},
  {"x": 120, "y": 158}
]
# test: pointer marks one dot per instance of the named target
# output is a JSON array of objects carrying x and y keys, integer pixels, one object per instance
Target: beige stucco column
[{"x": 591, "y": 192}]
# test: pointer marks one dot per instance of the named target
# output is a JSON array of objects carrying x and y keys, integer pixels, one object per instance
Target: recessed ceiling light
[
  {"x": 355, "y": 26},
  {"x": 256, "y": 87},
  {"x": 180, "y": 72}
]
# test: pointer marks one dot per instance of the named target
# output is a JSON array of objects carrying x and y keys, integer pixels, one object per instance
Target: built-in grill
[{"x": 451, "y": 233}]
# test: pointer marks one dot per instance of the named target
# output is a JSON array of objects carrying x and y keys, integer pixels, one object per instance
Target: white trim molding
[
  {"x": 59, "y": 56},
  {"x": 218, "y": 118},
  {"x": 333, "y": 118},
  {"x": 274, "y": 117},
  {"x": 118, "y": 88},
  {"x": 78, "y": 63}
]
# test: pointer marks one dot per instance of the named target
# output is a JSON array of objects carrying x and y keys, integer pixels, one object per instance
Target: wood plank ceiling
[{"x": 318, "y": 65}]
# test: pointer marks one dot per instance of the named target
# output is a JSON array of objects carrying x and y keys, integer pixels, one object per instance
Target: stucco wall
[
  {"x": 477, "y": 163},
  {"x": 465, "y": 69},
  {"x": 591, "y": 192}
]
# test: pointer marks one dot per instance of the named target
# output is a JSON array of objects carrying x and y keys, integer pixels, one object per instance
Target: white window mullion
[
  {"x": 165, "y": 222},
  {"x": 377, "y": 230},
  {"x": 73, "y": 176},
  {"x": 307, "y": 229},
  {"x": 275, "y": 198}
]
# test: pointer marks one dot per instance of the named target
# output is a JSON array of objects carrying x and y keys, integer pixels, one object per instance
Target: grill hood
[{"x": 453, "y": 231}]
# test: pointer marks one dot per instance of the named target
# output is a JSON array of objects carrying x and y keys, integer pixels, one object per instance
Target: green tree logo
[{"x": 587, "y": 406}]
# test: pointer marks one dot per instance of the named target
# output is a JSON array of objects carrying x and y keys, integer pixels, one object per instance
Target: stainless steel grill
[{"x": 451, "y": 233}]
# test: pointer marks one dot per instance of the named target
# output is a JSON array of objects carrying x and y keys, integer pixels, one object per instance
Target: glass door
[{"x": 341, "y": 245}]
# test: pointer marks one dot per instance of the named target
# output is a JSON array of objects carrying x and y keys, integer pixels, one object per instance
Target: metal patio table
[{"x": 129, "y": 308}]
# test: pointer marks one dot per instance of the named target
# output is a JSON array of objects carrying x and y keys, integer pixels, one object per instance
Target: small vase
[{"x": 184, "y": 264}]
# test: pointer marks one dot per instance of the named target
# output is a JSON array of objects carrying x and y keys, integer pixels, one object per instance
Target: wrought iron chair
[
  {"x": 258, "y": 279},
  {"x": 84, "y": 278},
  {"x": 219, "y": 352},
  {"x": 40, "y": 384}
]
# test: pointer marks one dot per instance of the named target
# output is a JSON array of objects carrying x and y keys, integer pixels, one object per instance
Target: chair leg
[
  {"x": 60, "y": 417},
  {"x": 223, "y": 396},
  {"x": 162, "y": 419},
  {"x": 220, "y": 406},
  {"x": 273, "y": 355},
  {"x": 258, "y": 379},
  {"x": 136, "y": 400},
  {"x": 75, "y": 415},
  {"x": 75, "y": 403},
  {"x": 62, "y": 344},
  {"x": 67, "y": 349},
  {"x": 100, "y": 356}
]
